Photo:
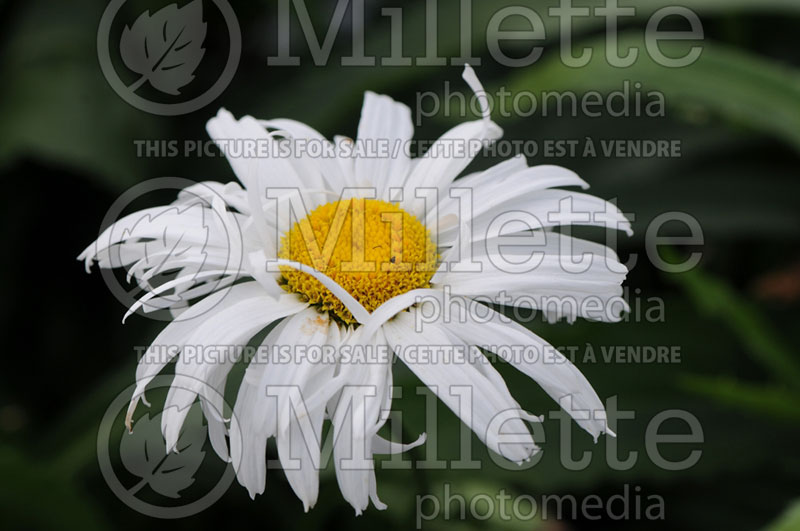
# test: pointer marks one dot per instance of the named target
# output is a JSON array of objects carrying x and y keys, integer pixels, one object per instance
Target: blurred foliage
[
  {"x": 789, "y": 521},
  {"x": 761, "y": 343},
  {"x": 66, "y": 152},
  {"x": 742, "y": 88}
]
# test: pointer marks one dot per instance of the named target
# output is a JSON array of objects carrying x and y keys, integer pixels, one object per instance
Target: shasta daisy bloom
[{"x": 378, "y": 235}]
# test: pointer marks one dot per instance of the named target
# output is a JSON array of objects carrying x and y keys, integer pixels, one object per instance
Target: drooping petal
[
  {"x": 559, "y": 377},
  {"x": 218, "y": 344},
  {"x": 356, "y": 415},
  {"x": 492, "y": 412},
  {"x": 173, "y": 224},
  {"x": 272, "y": 402},
  {"x": 299, "y": 426},
  {"x": 256, "y": 419},
  {"x": 383, "y": 446},
  {"x": 190, "y": 240},
  {"x": 171, "y": 341}
]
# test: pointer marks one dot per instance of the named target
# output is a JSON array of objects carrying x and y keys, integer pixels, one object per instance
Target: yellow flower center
[{"x": 373, "y": 249}]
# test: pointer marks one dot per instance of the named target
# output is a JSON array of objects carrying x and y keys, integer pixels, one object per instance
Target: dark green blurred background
[{"x": 67, "y": 152}]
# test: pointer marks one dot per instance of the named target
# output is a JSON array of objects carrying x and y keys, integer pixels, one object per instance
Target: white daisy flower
[{"x": 242, "y": 270}]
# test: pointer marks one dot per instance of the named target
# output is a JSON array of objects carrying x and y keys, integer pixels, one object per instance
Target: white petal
[
  {"x": 392, "y": 307},
  {"x": 386, "y": 121},
  {"x": 551, "y": 370},
  {"x": 475, "y": 85},
  {"x": 359, "y": 312},
  {"x": 256, "y": 264},
  {"x": 240, "y": 141},
  {"x": 556, "y": 274},
  {"x": 168, "y": 344},
  {"x": 186, "y": 224},
  {"x": 213, "y": 410},
  {"x": 225, "y": 128},
  {"x": 180, "y": 282},
  {"x": 299, "y": 428},
  {"x": 232, "y": 327},
  {"x": 445, "y": 160},
  {"x": 440, "y": 165},
  {"x": 492, "y": 413},
  {"x": 356, "y": 417},
  {"x": 254, "y": 411},
  {"x": 327, "y": 167},
  {"x": 548, "y": 208},
  {"x": 205, "y": 191},
  {"x": 490, "y": 192},
  {"x": 263, "y": 166},
  {"x": 383, "y": 446}
]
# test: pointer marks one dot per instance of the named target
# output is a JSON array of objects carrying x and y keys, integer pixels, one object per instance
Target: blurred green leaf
[
  {"x": 789, "y": 521},
  {"x": 738, "y": 86},
  {"x": 759, "y": 399},
  {"x": 714, "y": 297}
]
